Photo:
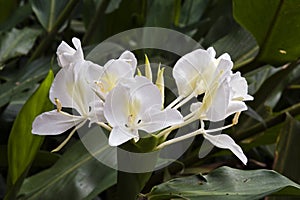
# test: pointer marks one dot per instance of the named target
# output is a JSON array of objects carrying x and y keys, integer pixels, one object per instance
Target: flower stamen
[{"x": 58, "y": 104}]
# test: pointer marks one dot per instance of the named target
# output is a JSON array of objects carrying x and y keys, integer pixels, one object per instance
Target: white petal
[
  {"x": 114, "y": 71},
  {"x": 96, "y": 114},
  {"x": 153, "y": 121},
  {"x": 195, "y": 106},
  {"x": 190, "y": 68},
  {"x": 129, "y": 57},
  {"x": 67, "y": 55},
  {"x": 211, "y": 52},
  {"x": 216, "y": 102},
  {"x": 142, "y": 90},
  {"x": 116, "y": 106},
  {"x": 119, "y": 136},
  {"x": 62, "y": 87},
  {"x": 235, "y": 106},
  {"x": 240, "y": 87},
  {"x": 54, "y": 123},
  {"x": 226, "y": 142}
]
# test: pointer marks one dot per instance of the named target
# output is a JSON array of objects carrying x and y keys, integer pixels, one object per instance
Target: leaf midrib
[{"x": 267, "y": 37}]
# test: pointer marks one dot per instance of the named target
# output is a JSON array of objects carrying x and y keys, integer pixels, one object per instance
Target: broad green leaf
[
  {"x": 239, "y": 44},
  {"x": 287, "y": 151},
  {"x": 257, "y": 77},
  {"x": 76, "y": 175},
  {"x": 157, "y": 15},
  {"x": 104, "y": 25},
  {"x": 17, "y": 42},
  {"x": 48, "y": 12},
  {"x": 22, "y": 144},
  {"x": 226, "y": 183},
  {"x": 192, "y": 11},
  {"x": 16, "y": 17},
  {"x": 21, "y": 80},
  {"x": 274, "y": 24},
  {"x": 42, "y": 159}
]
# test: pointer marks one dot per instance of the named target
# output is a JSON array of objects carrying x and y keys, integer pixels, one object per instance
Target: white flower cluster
[{"x": 113, "y": 97}]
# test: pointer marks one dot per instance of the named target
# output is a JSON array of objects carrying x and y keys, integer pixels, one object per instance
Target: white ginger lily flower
[
  {"x": 225, "y": 94},
  {"x": 194, "y": 71},
  {"x": 70, "y": 89},
  {"x": 113, "y": 72},
  {"x": 136, "y": 105}
]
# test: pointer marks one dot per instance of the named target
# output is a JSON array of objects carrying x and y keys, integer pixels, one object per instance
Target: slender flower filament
[{"x": 68, "y": 138}]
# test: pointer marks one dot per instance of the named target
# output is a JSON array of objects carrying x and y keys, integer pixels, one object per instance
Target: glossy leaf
[
  {"x": 17, "y": 42},
  {"x": 239, "y": 44},
  {"x": 226, "y": 183},
  {"x": 274, "y": 24},
  {"x": 287, "y": 151},
  {"x": 21, "y": 80},
  {"x": 48, "y": 12},
  {"x": 22, "y": 144},
  {"x": 20, "y": 14},
  {"x": 76, "y": 175},
  {"x": 157, "y": 15}
]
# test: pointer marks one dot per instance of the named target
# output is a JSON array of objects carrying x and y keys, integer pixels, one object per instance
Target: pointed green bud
[{"x": 139, "y": 73}]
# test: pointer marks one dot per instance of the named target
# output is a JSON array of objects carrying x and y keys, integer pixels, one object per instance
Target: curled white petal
[
  {"x": 66, "y": 55},
  {"x": 226, "y": 142}
]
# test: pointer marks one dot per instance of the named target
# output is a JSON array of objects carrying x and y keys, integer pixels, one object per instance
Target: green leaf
[
  {"x": 226, "y": 183},
  {"x": 48, "y": 12},
  {"x": 287, "y": 150},
  {"x": 16, "y": 17},
  {"x": 17, "y": 42},
  {"x": 239, "y": 44},
  {"x": 274, "y": 24},
  {"x": 192, "y": 11},
  {"x": 20, "y": 81},
  {"x": 22, "y": 144},
  {"x": 157, "y": 15},
  {"x": 76, "y": 175}
]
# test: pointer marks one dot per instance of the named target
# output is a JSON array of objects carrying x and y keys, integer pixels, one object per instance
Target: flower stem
[
  {"x": 178, "y": 99},
  {"x": 167, "y": 131},
  {"x": 103, "y": 125},
  {"x": 184, "y": 101},
  {"x": 178, "y": 139},
  {"x": 68, "y": 138},
  {"x": 198, "y": 132}
]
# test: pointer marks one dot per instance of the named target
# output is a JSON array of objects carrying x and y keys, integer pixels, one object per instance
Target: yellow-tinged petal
[
  {"x": 160, "y": 83},
  {"x": 148, "y": 71}
]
